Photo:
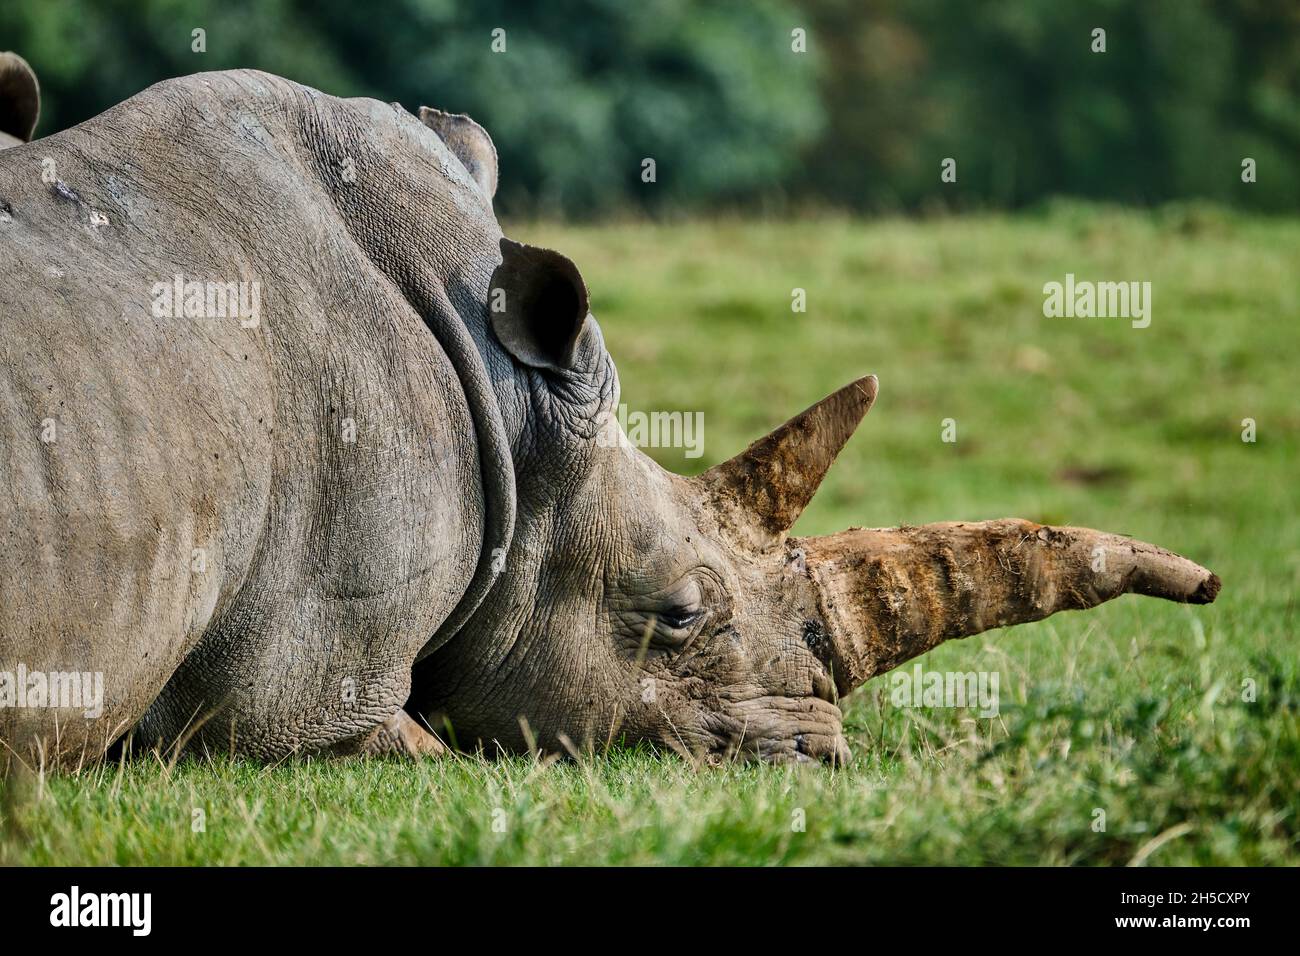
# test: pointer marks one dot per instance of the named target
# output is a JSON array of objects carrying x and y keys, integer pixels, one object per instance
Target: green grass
[{"x": 1135, "y": 709}]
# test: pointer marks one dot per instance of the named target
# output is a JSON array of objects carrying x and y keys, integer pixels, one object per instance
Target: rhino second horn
[
  {"x": 888, "y": 595},
  {"x": 764, "y": 489}
]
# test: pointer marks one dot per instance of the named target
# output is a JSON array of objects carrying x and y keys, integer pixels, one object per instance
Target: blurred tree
[
  {"x": 583, "y": 92},
  {"x": 1013, "y": 91},
  {"x": 588, "y": 89}
]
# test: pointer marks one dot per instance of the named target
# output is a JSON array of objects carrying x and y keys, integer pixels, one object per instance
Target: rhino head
[{"x": 633, "y": 604}]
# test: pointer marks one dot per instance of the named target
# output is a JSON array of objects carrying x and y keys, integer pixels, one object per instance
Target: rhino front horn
[
  {"x": 888, "y": 595},
  {"x": 765, "y": 488}
]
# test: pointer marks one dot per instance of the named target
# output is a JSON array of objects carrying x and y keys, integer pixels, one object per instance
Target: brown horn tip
[{"x": 1207, "y": 591}]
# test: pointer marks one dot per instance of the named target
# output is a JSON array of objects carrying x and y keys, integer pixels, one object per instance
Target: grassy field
[{"x": 1177, "y": 728}]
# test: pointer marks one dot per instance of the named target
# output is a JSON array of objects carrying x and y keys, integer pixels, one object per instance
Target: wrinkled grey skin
[
  {"x": 324, "y": 561},
  {"x": 385, "y": 506}
]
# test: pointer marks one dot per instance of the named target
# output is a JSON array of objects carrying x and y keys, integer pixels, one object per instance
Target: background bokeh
[{"x": 734, "y": 119}]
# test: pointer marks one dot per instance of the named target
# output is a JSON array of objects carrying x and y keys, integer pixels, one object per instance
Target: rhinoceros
[{"x": 302, "y": 455}]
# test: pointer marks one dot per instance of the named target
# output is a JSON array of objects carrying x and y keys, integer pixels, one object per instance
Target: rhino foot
[{"x": 401, "y": 736}]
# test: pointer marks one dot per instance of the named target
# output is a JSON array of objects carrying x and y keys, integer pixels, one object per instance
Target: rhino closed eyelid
[
  {"x": 680, "y": 618},
  {"x": 664, "y": 627},
  {"x": 685, "y": 608}
]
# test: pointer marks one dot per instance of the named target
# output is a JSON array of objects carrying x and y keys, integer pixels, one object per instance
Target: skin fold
[{"x": 383, "y": 509}]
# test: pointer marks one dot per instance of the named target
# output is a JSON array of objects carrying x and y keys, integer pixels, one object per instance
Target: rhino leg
[{"x": 401, "y": 736}]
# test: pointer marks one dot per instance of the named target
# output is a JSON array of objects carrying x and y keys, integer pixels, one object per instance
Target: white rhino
[{"x": 299, "y": 454}]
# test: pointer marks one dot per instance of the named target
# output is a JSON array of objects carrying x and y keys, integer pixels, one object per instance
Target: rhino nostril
[{"x": 814, "y": 635}]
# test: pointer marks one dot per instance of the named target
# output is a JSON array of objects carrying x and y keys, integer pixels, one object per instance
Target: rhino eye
[
  {"x": 678, "y": 619},
  {"x": 670, "y": 619}
]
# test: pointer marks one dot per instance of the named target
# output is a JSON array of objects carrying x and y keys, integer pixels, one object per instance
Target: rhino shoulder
[{"x": 223, "y": 91}]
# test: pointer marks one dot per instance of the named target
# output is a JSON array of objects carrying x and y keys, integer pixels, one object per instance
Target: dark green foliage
[
  {"x": 585, "y": 90},
  {"x": 887, "y": 89},
  {"x": 1014, "y": 92}
]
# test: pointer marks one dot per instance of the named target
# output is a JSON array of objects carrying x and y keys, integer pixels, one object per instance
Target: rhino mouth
[{"x": 779, "y": 730}]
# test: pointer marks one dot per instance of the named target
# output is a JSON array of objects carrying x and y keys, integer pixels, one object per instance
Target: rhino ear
[
  {"x": 538, "y": 305},
  {"x": 20, "y": 97},
  {"x": 469, "y": 141}
]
